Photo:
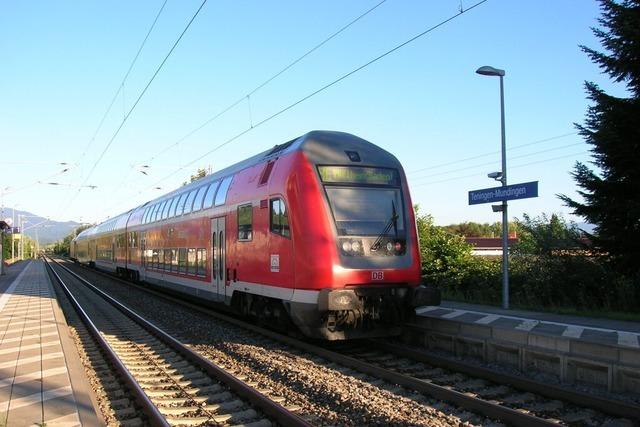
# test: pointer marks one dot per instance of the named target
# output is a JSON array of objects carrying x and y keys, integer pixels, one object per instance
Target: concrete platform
[
  {"x": 42, "y": 381},
  {"x": 598, "y": 352}
]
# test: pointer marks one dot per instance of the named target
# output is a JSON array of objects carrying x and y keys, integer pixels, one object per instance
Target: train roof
[{"x": 315, "y": 145}]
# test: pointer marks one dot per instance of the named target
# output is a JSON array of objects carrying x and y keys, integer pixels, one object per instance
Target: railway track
[
  {"x": 500, "y": 397},
  {"x": 172, "y": 384},
  {"x": 507, "y": 397}
]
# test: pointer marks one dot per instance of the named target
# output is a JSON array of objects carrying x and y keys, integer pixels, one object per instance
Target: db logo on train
[{"x": 377, "y": 275}]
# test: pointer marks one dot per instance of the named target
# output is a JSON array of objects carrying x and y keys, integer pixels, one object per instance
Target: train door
[{"x": 218, "y": 249}]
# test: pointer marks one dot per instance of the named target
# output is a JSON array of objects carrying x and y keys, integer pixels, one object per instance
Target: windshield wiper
[{"x": 393, "y": 222}]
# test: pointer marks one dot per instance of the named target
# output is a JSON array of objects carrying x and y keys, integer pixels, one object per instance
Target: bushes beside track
[{"x": 549, "y": 269}]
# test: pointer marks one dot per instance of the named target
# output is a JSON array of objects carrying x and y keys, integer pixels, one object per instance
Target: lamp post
[
  {"x": 493, "y": 72},
  {"x": 13, "y": 224}
]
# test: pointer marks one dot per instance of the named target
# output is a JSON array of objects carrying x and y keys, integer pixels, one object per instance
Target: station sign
[{"x": 524, "y": 190}]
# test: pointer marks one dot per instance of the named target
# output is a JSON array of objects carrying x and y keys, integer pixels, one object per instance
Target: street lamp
[{"x": 502, "y": 177}]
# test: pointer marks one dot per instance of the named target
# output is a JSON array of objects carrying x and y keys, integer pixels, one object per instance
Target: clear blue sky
[{"x": 62, "y": 62}]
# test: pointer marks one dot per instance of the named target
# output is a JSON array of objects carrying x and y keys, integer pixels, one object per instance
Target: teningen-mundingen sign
[{"x": 509, "y": 192}]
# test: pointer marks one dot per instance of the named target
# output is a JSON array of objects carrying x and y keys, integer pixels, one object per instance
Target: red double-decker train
[{"x": 318, "y": 231}]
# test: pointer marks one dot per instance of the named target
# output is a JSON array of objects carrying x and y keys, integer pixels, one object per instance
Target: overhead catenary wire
[
  {"x": 305, "y": 98},
  {"x": 248, "y": 95},
  {"x": 475, "y": 175},
  {"x": 124, "y": 80},
  {"x": 142, "y": 93},
  {"x": 115, "y": 96},
  {"x": 479, "y": 156},
  {"x": 561, "y": 147},
  {"x": 321, "y": 89}
]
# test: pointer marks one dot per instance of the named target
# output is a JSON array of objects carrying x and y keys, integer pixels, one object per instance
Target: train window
[
  {"x": 174, "y": 260},
  {"x": 174, "y": 206},
  {"x": 158, "y": 214},
  {"x": 221, "y": 195},
  {"x": 188, "y": 205},
  {"x": 180, "y": 208},
  {"x": 245, "y": 222},
  {"x": 160, "y": 259},
  {"x": 154, "y": 259},
  {"x": 197, "y": 202},
  {"x": 202, "y": 262},
  {"x": 211, "y": 192},
  {"x": 154, "y": 213},
  {"x": 167, "y": 259},
  {"x": 148, "y": 257},
  {"x": 169, "y": 208},
  {"x": 191, "y": 261},
  {"x": 133, "y": 239},
  {"x": 148, "y": 220},
  {"x": 165, "y": 211},
  {"x": 182, "y": 260},
  {"x": 279, "y": 218}
]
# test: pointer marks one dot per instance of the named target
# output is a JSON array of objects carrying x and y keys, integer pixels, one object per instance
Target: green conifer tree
[{"x": 611, "y": 195}]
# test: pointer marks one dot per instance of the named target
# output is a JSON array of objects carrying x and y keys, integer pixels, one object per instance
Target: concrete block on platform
[
  {"x": 445, "y": 326},
  {"x": 593, "y": 350},
  {"x": 630, "y": 357},
  {"x": 547, "y": 362},
  {"x": 626, "y": 380},
  {"x": 477, "y": 331},
  {"x": 512, "y": 336},
  {"x": 589, "y": 372},
  {"x": 504, "y": 354},
  {"x": 441, "y": 342},
  {"x": 470, "y": 347}
]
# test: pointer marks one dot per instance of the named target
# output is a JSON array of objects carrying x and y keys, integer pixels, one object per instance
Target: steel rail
[
  {"x": 273, "y": 409},
  {"x": 155, "y": 418},
  {"x": 608, "y": 406},
  {"x": 481, "y": 406}
]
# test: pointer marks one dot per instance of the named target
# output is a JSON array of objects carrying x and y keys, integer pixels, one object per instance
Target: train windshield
[{"x": 366, "y": 211}]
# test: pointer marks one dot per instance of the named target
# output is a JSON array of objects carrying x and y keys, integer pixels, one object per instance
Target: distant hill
[
  {"x": 585, "y": 226},
  {"x": 47, "y": 231}
]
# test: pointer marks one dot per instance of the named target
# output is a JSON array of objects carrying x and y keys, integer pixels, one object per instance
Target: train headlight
[
  {"x": 389, "y": 247},
  {"x": 356, "y": 246},
  {"x": 346, "y": 246}
]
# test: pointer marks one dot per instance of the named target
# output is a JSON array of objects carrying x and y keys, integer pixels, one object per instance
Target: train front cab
[{"x": 357, "y": 258}]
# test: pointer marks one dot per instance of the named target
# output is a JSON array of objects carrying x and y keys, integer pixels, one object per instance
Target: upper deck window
[
  {"x": 211, "y": 192},
  {"x": 180, "y": 208},
  {"x": 153, "y": 212},
  {"x": 221, "y": 195},
  {"x": 158, "y": 215},
  {"x": 359, "y": 175},
  {"x": 189, "y": 203},
  {"x": 176, "y": 203},
  {"x": 165, "y": 211},
  {"x": 172, "y": 207},
  {"x": 197, "y": 202}
]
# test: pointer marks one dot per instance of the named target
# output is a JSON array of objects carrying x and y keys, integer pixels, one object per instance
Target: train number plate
[{"x": 377, "y": 275}]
